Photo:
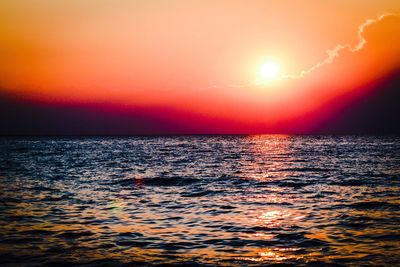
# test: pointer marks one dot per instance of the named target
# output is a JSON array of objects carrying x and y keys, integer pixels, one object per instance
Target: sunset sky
[{"x": 253, "y": 61}]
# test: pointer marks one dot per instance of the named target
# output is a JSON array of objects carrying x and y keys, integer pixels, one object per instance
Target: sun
[{"x": 269, "y": 71}]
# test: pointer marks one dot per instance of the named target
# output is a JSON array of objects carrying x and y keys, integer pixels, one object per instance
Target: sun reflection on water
[{"x": 275, "y": 255}]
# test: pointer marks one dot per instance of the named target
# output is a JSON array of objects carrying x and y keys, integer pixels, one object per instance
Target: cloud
[{"x": 332, "y": 54}]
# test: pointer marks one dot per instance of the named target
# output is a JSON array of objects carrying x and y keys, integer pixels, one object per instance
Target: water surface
[{"x": 205, "y": 200}]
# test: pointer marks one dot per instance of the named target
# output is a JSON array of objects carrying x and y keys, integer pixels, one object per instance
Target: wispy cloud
[{"x": 332, "y": 54}]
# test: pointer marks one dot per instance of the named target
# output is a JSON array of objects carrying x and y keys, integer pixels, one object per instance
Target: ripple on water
[{"x": 200, "y": 201}]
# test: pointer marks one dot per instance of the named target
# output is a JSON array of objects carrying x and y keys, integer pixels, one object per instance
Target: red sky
[{"x": 195, "y": 56}]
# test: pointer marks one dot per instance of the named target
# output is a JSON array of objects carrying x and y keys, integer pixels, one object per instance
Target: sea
[{"x": 241, "y": 200}]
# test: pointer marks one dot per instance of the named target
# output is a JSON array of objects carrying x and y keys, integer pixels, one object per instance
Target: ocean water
[{"x": 263, "y": 200}]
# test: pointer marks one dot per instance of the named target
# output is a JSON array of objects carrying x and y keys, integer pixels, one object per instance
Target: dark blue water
[{"x": 205, "y": 200}]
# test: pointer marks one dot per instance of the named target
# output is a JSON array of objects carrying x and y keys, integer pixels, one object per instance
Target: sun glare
[{"x": 269, "y": 71}]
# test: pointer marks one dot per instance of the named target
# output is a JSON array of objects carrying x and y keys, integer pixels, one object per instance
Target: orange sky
[{"x": 193, "y": 55}]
